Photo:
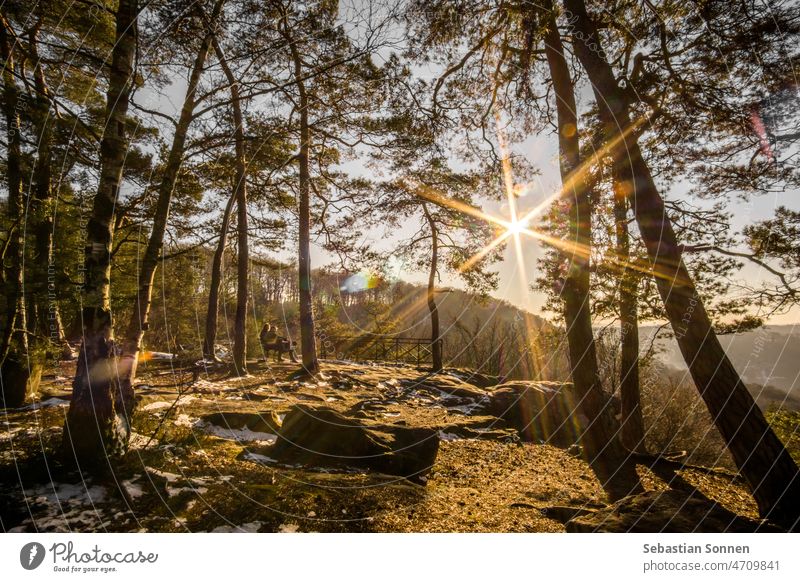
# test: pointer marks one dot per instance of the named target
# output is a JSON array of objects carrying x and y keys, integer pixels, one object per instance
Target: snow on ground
[
  {"x": 206, "y": 386},
  {"x": 54, "y": 493},
  {"x": 63, "y": 507},
  {"x": 169, "y": 477},
  {"x": 251, "y": 456},
  {"x": 133, "y": 489},
  {"x": 240, "y": 435},
  {"x": 186, "y": 420},
  {"x": 156, "y": 406},
  {"x": 46, "y": 404},
  {"x": 251, "y": 527}
]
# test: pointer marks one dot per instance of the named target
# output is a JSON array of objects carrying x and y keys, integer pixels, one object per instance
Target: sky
[
  {"x": 514, "y": 285},
  {"x": 541, "y": 152}
]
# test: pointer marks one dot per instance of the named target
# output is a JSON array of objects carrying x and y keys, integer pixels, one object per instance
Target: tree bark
[
  {"x": 15, "y": 388},
  {"x": 308, "y": 345},
  {"x": 212, "y": 314},
  {"x": 436, "y": 345},
  {"x": 140, "y": 318},
  {"x": 761, "y": 457},
  {"x": 13, "y": 259},
  {"x": 97, "y": 424},
  {"x": 47, "y": 320},
  {"x": 240, "y": 193},
  {"x": 632, "y": 428},
  {"x": 601, "y": 443}
]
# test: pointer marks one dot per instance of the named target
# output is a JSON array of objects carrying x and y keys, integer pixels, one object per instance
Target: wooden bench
[{"x": 280, "y": 346}]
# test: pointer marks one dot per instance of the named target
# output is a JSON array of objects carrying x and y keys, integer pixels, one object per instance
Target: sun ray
[
  {"x": 477, "y": 257},
  {"x": 517, "y": 226}
]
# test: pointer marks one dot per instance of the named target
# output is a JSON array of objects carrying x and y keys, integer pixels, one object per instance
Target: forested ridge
[{"x": 212, "y": 209}]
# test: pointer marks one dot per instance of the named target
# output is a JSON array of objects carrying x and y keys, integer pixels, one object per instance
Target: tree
[
  {"x": 446, "y": 238},
  {"x": 308, "y": 347},
  {"x": 603, "y": 445},
  {"x": 212, "y": 313},
  {"x": 16, "y": 384},
  {"x": 98, "y": 422},
  {"x": 760, "y": 456},
  {"x": 140, "y": 317},
  {"x": 240, "y": 194}
]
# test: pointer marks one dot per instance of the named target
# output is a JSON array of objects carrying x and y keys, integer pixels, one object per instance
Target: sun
[{"x": 516, "y": 227}]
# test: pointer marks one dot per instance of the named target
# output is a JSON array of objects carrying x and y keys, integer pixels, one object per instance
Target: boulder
[
  {"x": 671, "y": 511},
  {"x": 321, "y": 436},
  {"x": 540, "y": 411}
]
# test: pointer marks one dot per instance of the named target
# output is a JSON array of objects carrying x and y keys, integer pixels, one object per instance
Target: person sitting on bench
[{"x": 270, "y": 340}]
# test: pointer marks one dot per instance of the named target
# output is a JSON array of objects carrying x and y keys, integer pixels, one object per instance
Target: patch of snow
[
  {"x": 50, "y": 402},
  {"x": 185, "y": 420},
  {"x": 55, "y": 493},
  {"x": 157, "y": 405},
  {"x": 134, "y": 490},
  {"x": 240, "y": 435},
  {"x": 466, "y": 409},
  {"x": 255, "y": 457},
  {"x": 449, "y": 436},
  {"x": 170, "y": 477},
  {"x": 251, "y": 527},
  {"x": 205, "y": 386}
]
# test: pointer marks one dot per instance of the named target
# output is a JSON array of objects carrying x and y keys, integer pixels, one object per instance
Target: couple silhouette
[{"x": 271, "y": 341}]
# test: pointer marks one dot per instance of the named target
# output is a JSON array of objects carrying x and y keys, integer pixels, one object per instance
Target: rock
[
  {"x": 486, "y": 428},
  {"x": 540, "y": 411},
  {"x": 255, "y": 421},
  {"x": 670, "y": 511},
  {"x": 473, "y": 377},
  {"x": 320, "y": 436}
]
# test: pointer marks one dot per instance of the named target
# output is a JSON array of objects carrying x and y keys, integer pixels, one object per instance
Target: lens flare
[{"x": 360, "y": 281}]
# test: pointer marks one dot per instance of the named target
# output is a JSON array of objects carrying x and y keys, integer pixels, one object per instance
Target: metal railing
[{"x": 378, "y": 348}]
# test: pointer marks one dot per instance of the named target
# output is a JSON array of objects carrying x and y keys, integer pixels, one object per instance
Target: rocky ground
[{"x": 443, "y": 453}]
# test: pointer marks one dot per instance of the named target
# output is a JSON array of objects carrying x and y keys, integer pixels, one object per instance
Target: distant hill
[
  {"x": 767, "y": 358},
  {"x": 482, "y": 333}
]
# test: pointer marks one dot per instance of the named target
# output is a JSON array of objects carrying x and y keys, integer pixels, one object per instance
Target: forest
[{"x": 272, "y": 240}]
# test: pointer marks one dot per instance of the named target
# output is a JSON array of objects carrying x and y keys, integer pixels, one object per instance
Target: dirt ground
[{"x": 184, "y": 473}]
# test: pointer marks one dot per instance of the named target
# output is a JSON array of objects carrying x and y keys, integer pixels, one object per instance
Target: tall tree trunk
[
  {"x": 97, "y": 423},
  {"x": 47, "y": 323},
  {"x": 601, "y": 443},
  {"x": 436, "y": 344},
  {"x": 308, "y": 345},
  {"x": 759, "y": 454},
  {"x": 212, "y": 314},
  {"x": 631, "y": 407},
  {"x": 240, "y": 192},
  {"x": 140, "y": 318},
  {"x": 15, "y": 387}
]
